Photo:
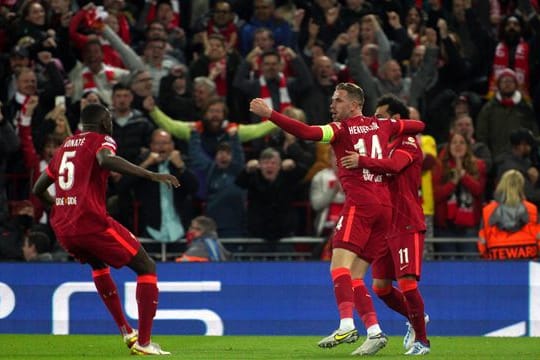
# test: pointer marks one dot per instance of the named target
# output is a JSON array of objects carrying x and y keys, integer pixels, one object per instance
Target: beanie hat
[{"x": 506, "y": 72}]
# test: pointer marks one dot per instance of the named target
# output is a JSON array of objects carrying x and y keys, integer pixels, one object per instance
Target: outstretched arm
[
  {"x": 108, "y": 160},
  {"x": 399, "y": 160},
  {"x": 412, "y": 127},
  {"x": 294, "y": 127}
]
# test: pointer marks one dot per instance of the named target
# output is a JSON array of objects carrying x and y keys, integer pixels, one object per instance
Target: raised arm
[
  {"x": 248, "y": 132},
  {"x": 178, "y": 129},
  {"x": 108, "y": 160},
  {"x": 294, "y": 127}
]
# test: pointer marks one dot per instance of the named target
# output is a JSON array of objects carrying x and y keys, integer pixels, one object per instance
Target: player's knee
[
  {"x": 407, "y": 284},
  {"x": 382, "y": 289}
]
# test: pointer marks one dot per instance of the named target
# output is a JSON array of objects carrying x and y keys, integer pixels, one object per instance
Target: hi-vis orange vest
[{"x": 497, "y": 244}]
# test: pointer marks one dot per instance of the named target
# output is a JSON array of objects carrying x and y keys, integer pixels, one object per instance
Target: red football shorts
[
  {"x": 403, "y": 257},
  {"x": 362, "y": 229},
  {"x": 115, "y": 246}
]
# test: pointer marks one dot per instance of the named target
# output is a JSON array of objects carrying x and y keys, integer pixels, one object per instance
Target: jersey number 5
[
  {"x": 376, "y": 150},
  {"x": 66, "y": 172}
]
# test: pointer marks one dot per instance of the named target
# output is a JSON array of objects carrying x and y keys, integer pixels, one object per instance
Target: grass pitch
[{"x": 256, "y": 347}]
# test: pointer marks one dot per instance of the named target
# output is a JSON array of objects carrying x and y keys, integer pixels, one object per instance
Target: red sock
[
  {"x": 393, "y": 298},
  {"x": 364, "y": 303},
  {"x": 415, "y": 304},
  {"x": 108, "y": 292},
  {"x": 341, "y": 277},
  {"x": 147, "y": 300}
]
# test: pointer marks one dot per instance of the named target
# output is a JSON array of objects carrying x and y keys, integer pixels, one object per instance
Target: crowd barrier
[
  {"x": 168, "y": 251},
  {"x": 463, "y": 298}
]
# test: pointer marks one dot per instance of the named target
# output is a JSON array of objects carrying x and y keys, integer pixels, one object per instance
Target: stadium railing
[{"x": 168, "y": 251}]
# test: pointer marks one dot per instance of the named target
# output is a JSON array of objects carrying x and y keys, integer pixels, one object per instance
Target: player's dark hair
[
  {"x": 354, "y": 92},
  {"x": 395, "y": 105},
  {"x": 94, "y": 114}
]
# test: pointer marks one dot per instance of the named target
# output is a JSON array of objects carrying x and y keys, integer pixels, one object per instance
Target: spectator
[
  {"x": 213, "y": 126},
  {"x": 94, "y": 74},
  {"x": 219, "y": 66},
  {"x": 156, "y": 61},
  {"x": 85, "y": 26},
  {"x": 164, "y": 212},
  {"x": 174, "y": 46},
  {"x": 263, "y": 42},
  {"x": 131, "y": 127},
  {"x": 317, "y": 99},
  {"x": 263, "y": 16},
  {"x": 520, "y": 158},
  {"x": 36, "y": 247},
  {"x": 463, "y": 124},
  {"x": 19, "y": 57},
  {"x": 176, "y": 94},
  {"x": 271, "y": 184},
  {"x": 36, "y": 160},
  {"x": 225, "y": 201},
  {"x": 302, "y": 152},
  {"x": 278, "y": 90},
  {"x": 204, "y": 89},
  {"x": 510, "y": 227},
  {"x": 391, "y": 80},
  {"x": 220, "y": 20},
  {"x": 9, "y": 144},
  {"x": 203, "y": 243},
  {"x": 326, "y": 197},
  {"x": 458, "y": 182},
  {"x": 505, "y": 112},
  {"x": 141, "y": 84},
  {"x": 514, "y": 52}
]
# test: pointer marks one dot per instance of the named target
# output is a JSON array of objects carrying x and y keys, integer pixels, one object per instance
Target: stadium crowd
[{"x": 178, "y": 77}]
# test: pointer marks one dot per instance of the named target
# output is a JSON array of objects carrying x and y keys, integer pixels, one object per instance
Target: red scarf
[
  {"x": 284, "y": 98},
  {"x": 89, "y": 82},
  {"x": 221, "y": 79},
  {"x": 226, "y": 31},
  {"x": 521, "y": 67}
]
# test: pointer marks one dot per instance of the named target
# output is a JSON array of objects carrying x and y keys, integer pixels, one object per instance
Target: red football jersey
[
  {"x": 80, "y": 184},
  {"x": 369, "y": 136},
  {"x": 408, "y": 215}
]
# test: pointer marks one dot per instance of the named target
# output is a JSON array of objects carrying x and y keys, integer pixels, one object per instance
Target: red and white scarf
[
  {"x": 89, "y": 81},
  {"x": 284, "y": 98},
  {"x": 521, "y": 66},
  {"x": 221, "y": 79}
]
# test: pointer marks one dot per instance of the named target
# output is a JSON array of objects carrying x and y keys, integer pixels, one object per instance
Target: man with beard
[
  {"x": 213, "y": 128},
  {"x": 514, "y": 51}
]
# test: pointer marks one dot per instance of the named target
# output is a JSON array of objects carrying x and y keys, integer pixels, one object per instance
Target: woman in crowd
[{"x": 459, "y": 180}]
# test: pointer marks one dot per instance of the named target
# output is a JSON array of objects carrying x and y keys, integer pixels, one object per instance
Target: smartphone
[{"x": 59, "y": 100}]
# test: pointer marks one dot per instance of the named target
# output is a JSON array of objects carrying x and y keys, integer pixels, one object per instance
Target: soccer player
[
  {"x": 403, "y": 258},
  {"x": 79, "y": 170},
  {"x": 359, "y": 233}
]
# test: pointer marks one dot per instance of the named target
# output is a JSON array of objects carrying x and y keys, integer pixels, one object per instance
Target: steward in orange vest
[{"x": 509, "y": 232}]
